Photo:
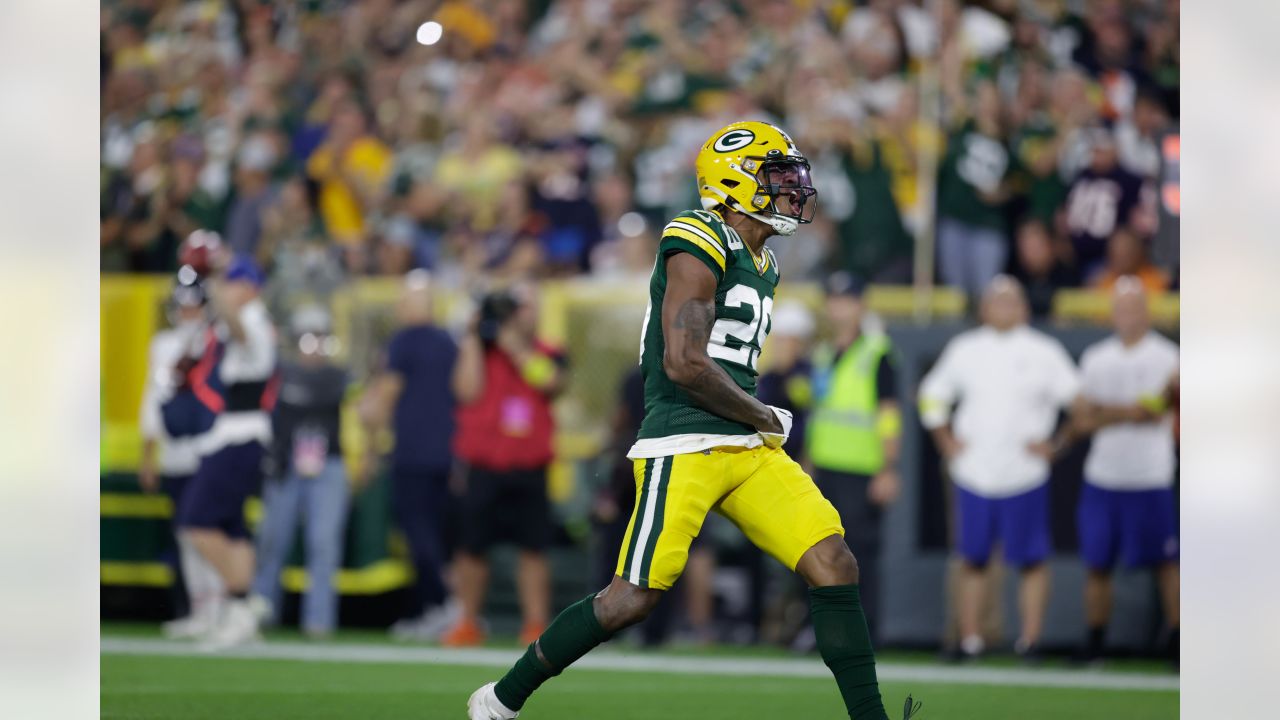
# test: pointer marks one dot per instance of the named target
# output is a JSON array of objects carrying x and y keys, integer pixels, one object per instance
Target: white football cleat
[
  {"x": 485, "y": 705},
  {"x": 187, "y": 628},
  {"x": 238, "y": 626},
  {"x": 430, "y": 625},
  {"x": 262, "y": 610}
]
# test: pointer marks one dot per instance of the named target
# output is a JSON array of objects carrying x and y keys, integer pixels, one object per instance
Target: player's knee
[
  {"x": 829, "y": 562},
  {"x": 622, "y": 605}
]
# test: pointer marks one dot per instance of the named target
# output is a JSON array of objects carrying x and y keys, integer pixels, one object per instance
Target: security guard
[{"x": 852, "y": 437}]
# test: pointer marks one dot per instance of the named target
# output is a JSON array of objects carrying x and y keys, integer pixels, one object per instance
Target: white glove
[{"x": 777, "y": 440}]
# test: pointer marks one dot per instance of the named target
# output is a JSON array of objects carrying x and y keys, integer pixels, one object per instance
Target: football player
[{"x": 706, "y": 442}]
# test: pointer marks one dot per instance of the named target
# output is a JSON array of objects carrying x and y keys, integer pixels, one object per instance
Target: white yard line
[{"x": 658, "y": 663}]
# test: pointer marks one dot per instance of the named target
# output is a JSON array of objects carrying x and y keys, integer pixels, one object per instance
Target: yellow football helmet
[{"x": 750, "y": 166}]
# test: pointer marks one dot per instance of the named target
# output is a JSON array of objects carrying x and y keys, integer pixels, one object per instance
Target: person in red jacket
[{"x": 504, "y": 384}]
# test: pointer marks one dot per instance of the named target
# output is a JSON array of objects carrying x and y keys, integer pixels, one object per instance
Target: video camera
[{"x": 495, "y": 310}]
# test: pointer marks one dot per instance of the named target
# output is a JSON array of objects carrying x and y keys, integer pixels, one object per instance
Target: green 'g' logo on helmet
[{"x": 733, "y": 140}]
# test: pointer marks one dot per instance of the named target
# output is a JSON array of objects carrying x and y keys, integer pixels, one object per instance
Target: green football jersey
[{"x": 744, "y": 303}]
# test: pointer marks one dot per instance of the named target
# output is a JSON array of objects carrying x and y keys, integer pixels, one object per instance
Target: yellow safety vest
[{"x": 841, "y": 434}]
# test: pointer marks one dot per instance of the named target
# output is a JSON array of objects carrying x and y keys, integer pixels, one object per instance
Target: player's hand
[
  {"x": 884, "y": 487},
  {"x": 776, "y": 436}
]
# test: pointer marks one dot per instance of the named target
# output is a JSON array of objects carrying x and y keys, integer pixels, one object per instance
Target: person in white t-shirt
[
  {"x": 1127, "y": 506},
  {"x": 1010, "y": 382}
]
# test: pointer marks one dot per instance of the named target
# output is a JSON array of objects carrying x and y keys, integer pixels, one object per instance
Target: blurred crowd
[{"x": 547, "y": 138}]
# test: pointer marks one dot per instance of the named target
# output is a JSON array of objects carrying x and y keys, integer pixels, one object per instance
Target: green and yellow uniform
[{"x": 689, "y": 460}]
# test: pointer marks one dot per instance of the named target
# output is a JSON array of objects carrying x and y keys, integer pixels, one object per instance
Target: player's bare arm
[{"x": 688, "y": 313}]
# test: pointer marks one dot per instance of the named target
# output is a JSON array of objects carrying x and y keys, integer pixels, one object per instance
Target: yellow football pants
[{"x": 762, "y": 491}]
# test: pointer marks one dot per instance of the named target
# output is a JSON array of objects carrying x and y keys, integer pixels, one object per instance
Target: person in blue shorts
[
  {"x": 1127, "y": 513},
  {"x": 1010, "y": 382}
]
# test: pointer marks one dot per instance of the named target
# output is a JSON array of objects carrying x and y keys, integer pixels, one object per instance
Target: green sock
[
  {"x": 573, "y": 633},
  {"x": 845, "y": 645}
]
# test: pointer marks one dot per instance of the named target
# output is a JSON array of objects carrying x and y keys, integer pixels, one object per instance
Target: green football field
[{"x": 150, "y": 678}]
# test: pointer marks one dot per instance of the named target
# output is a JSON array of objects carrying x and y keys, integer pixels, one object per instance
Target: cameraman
[{"x": 504, "y": 383}]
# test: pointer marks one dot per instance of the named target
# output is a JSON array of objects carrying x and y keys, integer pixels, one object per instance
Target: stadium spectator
[
  {"x": 1137, "y": 137},
  {"x": 308, "y": 481},
  {"x": 475, "y": 171},
  {"x": 1010, "y": 382},
  {"x": 561, "y": 182},
  {"x": 878, "y": 167},
  {"x": 1109, "y": 55},
  {"x": 504, "y": 383},
  {"x": 135, "y": 205},
  {"x": 853, "y": 429},
  {"x": 509, "y": 249},
  {"x": 169, "y": 456},
  {"x": 235, "y": 381},
  {"x": 1046, "y": 139},
  {"x": 1102, "y": 199},
  {"x": 413, "y": 396},
  {"x": 351, "y": 168},
  {"x": 303, "y": 263},
  {"x": 973, "y": 246},
  {"x": 160, "y": 205},
  {"x": 1161, "y": 54},
  {"x": 1039, "y": 268},
  {"x": 1128, "y": 510},
  {"x": 1127, "y": 257},
  {"x": 192, "y": 206},
  {"x": 288, "y": 221},
  {"x": 254, "y": 193}
]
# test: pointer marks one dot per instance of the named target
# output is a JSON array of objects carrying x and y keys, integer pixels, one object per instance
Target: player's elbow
[{"x": 682, "y": 368}]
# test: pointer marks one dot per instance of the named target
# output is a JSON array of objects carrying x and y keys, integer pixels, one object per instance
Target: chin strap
[{"x": 781, "y": 224}]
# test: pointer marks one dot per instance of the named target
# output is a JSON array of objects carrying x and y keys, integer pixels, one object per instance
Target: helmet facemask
[
  {"x": 785, "y": 197},
  {"x": 787, "y": 187}
]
